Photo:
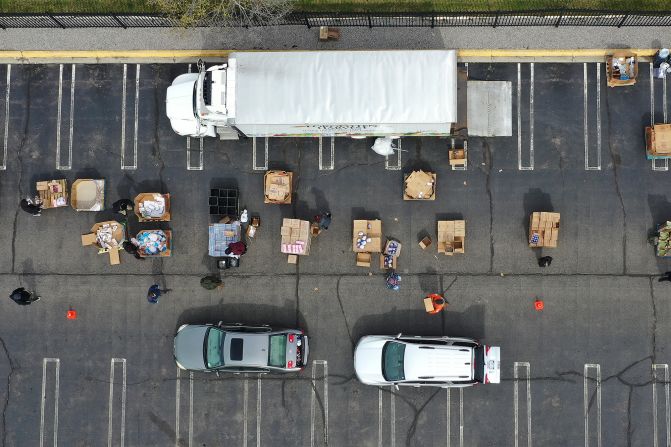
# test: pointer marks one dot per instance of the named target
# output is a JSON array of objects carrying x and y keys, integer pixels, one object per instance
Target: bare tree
[{"x": 191, "y": 13}]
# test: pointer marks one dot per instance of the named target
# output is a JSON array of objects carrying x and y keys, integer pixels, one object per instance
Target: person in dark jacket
[
  {"x": 123, "y": 206},
  {"x": 24, "y": 297},
  {"x": 665, "y": 277},
  {"x": 155, "y": 292},
  {"x": 211, "y": 282},
  {"x": 236, "y": 248},
  {"x": 545, "y": 261},
  {"x": 31, "y": 208},
  {"x": 325, "y": 220},
  {"x": 131, "y": 247}
]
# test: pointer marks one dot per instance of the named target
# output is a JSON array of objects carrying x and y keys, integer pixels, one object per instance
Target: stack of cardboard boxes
[
  {"x": 295, "y": 238},
  {"x": 451, "y": 236},
  {"x": 543, "y": 229},
  {"x": 392, "y": 250},
  {"x": 420, "y": 185},
  {"x": 107, "y": 237},
  {"x": 369, "y": 231}
]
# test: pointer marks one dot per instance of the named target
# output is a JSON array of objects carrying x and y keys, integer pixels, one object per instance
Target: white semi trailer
[{"x": 318, "y": 93}]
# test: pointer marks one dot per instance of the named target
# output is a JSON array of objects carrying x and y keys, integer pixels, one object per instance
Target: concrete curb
[{"x": 177, "y": 56}]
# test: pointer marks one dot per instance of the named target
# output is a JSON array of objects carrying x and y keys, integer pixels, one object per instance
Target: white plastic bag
[{"x": 384, "y": 146}]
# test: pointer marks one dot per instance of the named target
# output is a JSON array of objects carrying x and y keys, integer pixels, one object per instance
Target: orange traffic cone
[
  {"x": 71, "y": 314},
  {"x": 539, "y": 305}
]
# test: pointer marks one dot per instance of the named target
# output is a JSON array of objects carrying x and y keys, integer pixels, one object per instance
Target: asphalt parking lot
[{"x": 591, "y": 369}]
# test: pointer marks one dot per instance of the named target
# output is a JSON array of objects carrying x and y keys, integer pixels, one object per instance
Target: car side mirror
[
  {"x": 396, "y": 386},
  {"x": 399, "y": 335}
]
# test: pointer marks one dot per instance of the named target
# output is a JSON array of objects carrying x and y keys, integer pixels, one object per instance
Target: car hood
[
  {"x": 189, "y": 347},
  {"x": 368, "y": 359}
]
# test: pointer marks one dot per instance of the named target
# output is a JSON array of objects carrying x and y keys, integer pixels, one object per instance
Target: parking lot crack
[
  {"x": 618, "y": 190},
  {"x": 19, "y": 157},
  {"x": 342, "y": 311},
  {"x": 8, "y": 391},
  {"x": 653, "y": 335},
  {"x": 488, "y": 185}
]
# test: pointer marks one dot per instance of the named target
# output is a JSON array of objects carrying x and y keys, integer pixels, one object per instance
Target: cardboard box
[
  {"x": 88, "y": 195},
  {"x": 53, "y": 193},
  {"x": 425, "y": 242},
  {"x": 388, "y": 248},
  {"x": 457, "y": 157},
  {"x": 382, "y": 263},
  {"x": 295, "y": 237},
  {"x": 451, "y": 237},
  {"x": 658, "y": 140},
  {"x": 140, "y": 198},
  {"x": 544, "y": 229},
  {"x": 363, "y": 259},
  {"x": 614, "y": 76},
  {"x": 277, "y": 187},
  {"x": 419, "y": 185},
  {"x": 292, "y": 259},
  {"x": 117, "y": 239},
  {"x": 428, "y": 304},
  {"x": 373, "y": 230}
]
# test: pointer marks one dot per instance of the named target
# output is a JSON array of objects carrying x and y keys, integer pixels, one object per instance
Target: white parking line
[
  {"x": 379, "y": 417},
  {"x": 325, "y": 401},
  {"x": 59, "y": 115},
  {"x": 330, "y": 166},
  {"x": 399, "y": 164},
  {"x": 660, "y": 373},
  {"x": 588, "y": 166},
  {"x": 255, "y": 167},
  {"x": 392, "y": 416},
  {"x": 190, "y": 409},
  {"x": 177, "y": 406},
  {"x": 3, "y": 166},
  {"x": 520, "y": 165},
  {"x": 448, "y": 424},
  {"x": 665, "y": 161},
  {"x": 258, "y": 411},
  {"x": 522, "y": 370},
  {"x": 587, "y": 379},
  {"x": 245, "y": 400},
  {"x": 124, "y": 166},
  {"x": 111, "y": 402},
  {"x": 57, "y": 364}
]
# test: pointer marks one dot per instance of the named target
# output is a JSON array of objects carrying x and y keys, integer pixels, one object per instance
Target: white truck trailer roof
[{"x": 344, "y": 88}]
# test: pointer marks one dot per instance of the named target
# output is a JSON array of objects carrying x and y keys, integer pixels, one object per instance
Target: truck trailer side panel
[{"x": 302, "y": 93}]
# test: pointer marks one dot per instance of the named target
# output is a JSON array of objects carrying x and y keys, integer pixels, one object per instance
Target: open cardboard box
[
  {"x": 277, "y": 187},
  {"x": 53, "y": 193},
  {"x": 363, "y": 259},
  {"x": 612, "y": 74},
  {"x": 117, "y": 235},
  {"x": 292, "y": 232},
  {"x": 373, "y": 230},
  {"x": 451, "y": 237},
  {"x": 140, "y": 198},
  {"x": 88, "y": 195}
]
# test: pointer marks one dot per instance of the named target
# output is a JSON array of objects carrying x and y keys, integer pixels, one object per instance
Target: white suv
[{"x": 425, "y": 361}]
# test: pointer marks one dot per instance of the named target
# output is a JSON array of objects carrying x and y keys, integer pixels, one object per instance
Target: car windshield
[
  {"x": 214, "y": 344},
  {"x": 479, "y": 364},
  {"x": 277, "y": 354},
  {"x": 393, "y": 354}
]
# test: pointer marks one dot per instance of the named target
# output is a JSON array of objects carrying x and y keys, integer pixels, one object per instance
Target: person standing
[
  {"x": 211, "y": 282},
  {"x": 155, "y": 292},
  {"x": 30, "y": 207},
  {"x": 24, "y": 297},
  {"x": 131, "y": 247},
  {"x": 665, "y": 277},
  {"x": 123, "y": 206},
  {"x": 545, "y": 261},
  {"x": 236, "y": 248},
  {"x": 325, "y": 220}
]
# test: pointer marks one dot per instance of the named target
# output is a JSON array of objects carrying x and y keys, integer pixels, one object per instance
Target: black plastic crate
[{"x": 224, "y": 202}]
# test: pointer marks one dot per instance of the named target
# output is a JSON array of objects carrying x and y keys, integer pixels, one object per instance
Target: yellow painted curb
[{"x": 474, "y": 55}]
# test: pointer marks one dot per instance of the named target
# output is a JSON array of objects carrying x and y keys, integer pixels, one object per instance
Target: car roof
[
  {"x": 429, "y": 362},
  {"x": 246, "y": 349}
]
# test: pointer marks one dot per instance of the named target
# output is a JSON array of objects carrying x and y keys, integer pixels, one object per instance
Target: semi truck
[{"x": 318, "y": 93}]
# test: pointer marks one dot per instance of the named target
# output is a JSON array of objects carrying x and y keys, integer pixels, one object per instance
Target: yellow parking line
[{"x": 488, "y": 55}]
